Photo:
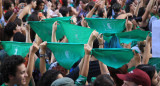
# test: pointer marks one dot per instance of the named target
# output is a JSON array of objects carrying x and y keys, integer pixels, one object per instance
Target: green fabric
[
  {"x": 81, "y": 80},
  {"x": 76, "y": 34},
  {"x": 155, "y": 62},
  {"x": 67, "y": 54},
  {"x": 16, "y": 48},
  {"x": 135, "y": 35},
  {"x": 58, "y": 19},
  {"x": 107, "y": 25},
  {"x": 93, "y": 79},
  {"x": 38, "y": 62},
  {"x": 130, "y": 69},
  {"x": 4, "y": 84},
  {"x": 113, "y": 57},
  {"x": 128, "y": 37},
  {"x": 44, "y": 28}
]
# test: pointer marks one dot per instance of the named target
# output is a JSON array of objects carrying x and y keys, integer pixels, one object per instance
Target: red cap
[{"x": 137, "y": 76}]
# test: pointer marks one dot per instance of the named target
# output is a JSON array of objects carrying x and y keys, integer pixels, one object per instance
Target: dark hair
[
  {"x": 29, "y": 1},
  {"x": 9, "y": 28},
  {"x": 64, "y": 10},
  {"x": 65, "y": 3},
  {"x": 127, "y": 9},
  {"x": 48, "y": 77},
  {"x": 19, "y": 37},
  {"x": 33, "y": 17},
  {"x": 90, "y": 5},
  {"x": 38, "y": 3},
  {"x": 8, "y": 14},
  {"x": 22, "y": 1},
  {"x": 9, "y": 66},
  {"x": 150, "y": 70},
  {"x": 100, "y": 12},
  {"x": 7, "y": 4},
  {"x": 116, "y": 7},
  {"x": 103, "y": 80},
  {"x": 141, "y": 11},
  {"x": 84, "y": 1},
  {"x": 96, "y": 43},
  {"x": 18, "y": 21}
]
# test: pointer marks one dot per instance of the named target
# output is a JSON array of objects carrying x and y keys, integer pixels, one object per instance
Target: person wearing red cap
[{"x": 136, "y": 77}]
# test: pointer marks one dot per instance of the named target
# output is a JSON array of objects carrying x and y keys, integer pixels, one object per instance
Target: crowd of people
[{"x": 40, "y": 67}]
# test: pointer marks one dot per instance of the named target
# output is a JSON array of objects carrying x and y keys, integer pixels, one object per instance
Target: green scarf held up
[
  {"x": 16, "y": 48},
  {"x": 113, "y": 57},
  {"x": 155, "y": 62},
  {"x": 104, "y": 25},
  {"x": 44, "y": 28},
  {"x": 128, "y": 37},
  {"x": 76, "y": 34},
  {"x": 66, "y": 19},
  {"x": 67, "y": 54}
]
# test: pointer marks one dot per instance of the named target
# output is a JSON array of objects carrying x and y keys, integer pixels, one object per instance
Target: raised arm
[
  {"x": 87, "y": 56},
  {"x": 103, "y": 67},
  {"x": 1, "y": 11},
  {"x": 135, "y": 61},
  {"x": 54, "y": 29},
  {"x": 28, "y": 38},
  {"x": 89, "y": 15},
  {"x": 23, "y": 13},
  {"x": 147, "y": 55},
  {"x": 148, "y": 9},
  {"x": 13, "y": 16},
  {"x": 34, "y": 48},
  {"x": 93, "y": 36},
  {"x": 42, "y": 57}
]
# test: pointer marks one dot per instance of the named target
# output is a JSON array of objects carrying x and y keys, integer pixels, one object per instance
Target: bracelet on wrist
[{"x": 42, "y": 55}]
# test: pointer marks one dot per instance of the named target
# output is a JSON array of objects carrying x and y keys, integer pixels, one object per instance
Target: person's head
[
  {"x": 64, "y": 3},
  {"x": 65, "y": 81},
  {"x": 90, "y": 5},
  {"x": 102, "y": 13},
  {"x": 19, "y": 37},
  {"x": 136, "y": 77},
  {"x": 151, "y": 71},
  {"x": 49, "y": 76},
  {"x": 13, "y": 70},
  {"x": 103, "y": 80},
  {"x": 64, "y": 11},
  {"x": 32, "y": 2},
  {"x": 8, "y": 5},
  {"x": 40, "y": 5},
  {"x": 130, "y": 6},
  {"x": 10, "y": 29},
  {"x": 83, "y": 3},
  {"x": 116, "y": 7}
]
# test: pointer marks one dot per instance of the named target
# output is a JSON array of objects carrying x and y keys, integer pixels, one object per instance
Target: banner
[
  {"x": 113, "y": 57},
  {"x": 155, "y": 38},
  {"x": 44, "y": 28},
  {"x": 128, "y": 37},
  {"x": 67, "y": 54},
  {"x": 106, "y": 25},
  {"x": 16, "y": 48},
  {"x": 76, "y": 34}
]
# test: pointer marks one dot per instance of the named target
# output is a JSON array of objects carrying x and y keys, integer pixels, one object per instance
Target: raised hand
[
  {"x": 34, "y": 48},
  {"x": 87, "y": 49},
  {"x": 43, "y": 47}
]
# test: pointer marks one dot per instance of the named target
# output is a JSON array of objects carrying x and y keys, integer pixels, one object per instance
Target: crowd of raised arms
[{"x": 104, "y": 43}]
